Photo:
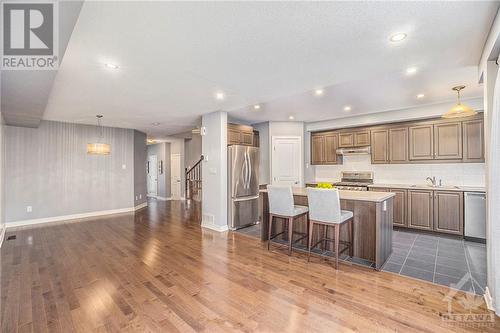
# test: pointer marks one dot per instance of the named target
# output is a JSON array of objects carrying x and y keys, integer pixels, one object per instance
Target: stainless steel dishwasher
[{"x": 475, "y": 216}]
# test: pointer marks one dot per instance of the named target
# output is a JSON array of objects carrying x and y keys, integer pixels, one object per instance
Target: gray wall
[
  {"x": 162, "y": 151},
  {"x": 2, "y": 172},
  {"x": 49, "y": 169},
  {"x": 192, "y": 150},
  {"x": 140, "y": 182}
]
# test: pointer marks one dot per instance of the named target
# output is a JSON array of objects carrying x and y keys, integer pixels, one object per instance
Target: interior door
[
  {"x": 175, "y": 176},
  {"x": 152, "y": 170},
  {"x": 286, "y": 161}
]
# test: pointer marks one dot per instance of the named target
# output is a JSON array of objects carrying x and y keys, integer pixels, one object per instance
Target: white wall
[
  {"x": 471, "y": 174},
  {"x": 2, "y": 162},
  {"x": 162, "y": 151},
  {"x": 214, "y": 170},
  {"x": 264, "y": 154}
]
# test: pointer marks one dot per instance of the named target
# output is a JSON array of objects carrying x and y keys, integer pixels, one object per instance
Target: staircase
[{"x": 194, "y": 181}]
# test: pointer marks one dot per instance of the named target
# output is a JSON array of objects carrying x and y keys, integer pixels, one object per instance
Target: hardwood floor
[{"x": 158, "y": 271}]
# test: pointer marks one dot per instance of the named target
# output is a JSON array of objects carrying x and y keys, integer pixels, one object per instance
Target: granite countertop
[
  {"x": 428, "y": 187},
  {"x": 349, "y": 195}
]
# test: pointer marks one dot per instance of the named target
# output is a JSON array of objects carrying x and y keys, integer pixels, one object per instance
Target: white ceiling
[{"x": 174, "y": 57}]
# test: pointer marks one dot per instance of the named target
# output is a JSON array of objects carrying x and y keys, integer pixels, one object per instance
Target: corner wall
[
  {"x": 162, "y": 151},
  {"x": 2, "y": 180},
  {"x": 140, "y": 155}
]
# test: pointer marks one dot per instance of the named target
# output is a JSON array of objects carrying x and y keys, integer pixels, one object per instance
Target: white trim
[
  {"x": 2, "y": 234},
  {"x": 163, "y": 198},
  {"x": 142, "y": 205},
  {"x": 73, "y": 216},
  {"x": 488, "y": 299},
  {"x": 218, "y": 228}
]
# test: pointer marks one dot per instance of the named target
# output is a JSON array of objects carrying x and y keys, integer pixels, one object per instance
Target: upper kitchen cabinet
[
  {"x": 240, "y": 135},
  {"x": 473, "y": 140},
  {"x": 324, "y": 148},
  {"x": 354, "y": 139},
  {"x": 398, "y": 145},
  {"x": 380, "y": 146},
  {"x": 317, "y": 149},
  {"x": 448, "y": 141},
  {"x": 421, "y": 142}
]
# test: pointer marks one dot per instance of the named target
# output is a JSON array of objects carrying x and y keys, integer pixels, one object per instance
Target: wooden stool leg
[
  {"x": 337, "y": 235},
  {"x": 310, "y": 239},
  {"x": 269, "y": 231},
  {"x": 290, "y": 235},
  {"x": 325, "y": 236},
  {"x": 351, "y": 237}
]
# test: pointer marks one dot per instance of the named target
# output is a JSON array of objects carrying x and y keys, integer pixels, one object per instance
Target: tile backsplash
[{"x": 465, "y": 174}]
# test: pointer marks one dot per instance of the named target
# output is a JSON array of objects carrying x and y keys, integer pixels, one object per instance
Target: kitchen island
[{"x": 373, "y": 218}]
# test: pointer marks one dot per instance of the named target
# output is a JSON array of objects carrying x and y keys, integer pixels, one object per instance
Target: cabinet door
[
  {"x": 233, "y": 137},
  {"x": 379, "y": 144},
  {"x": 398, "y": 145},
  {"x": 362, "y": 138},
  {"x": 448, "y": 212},
  {"x": 448, "y": 141},
  {"x": 420, "y": 210},
  {"x": 247, "y": 138},
  {"x": 399, "y": 207},
  {"x": 473, "y": 140},
  {"x": 346, "y": 140},
  {"x": 317, "y": 149},
  {"x": 331, "y": 145},
  {"x": 421, "y": 142}
]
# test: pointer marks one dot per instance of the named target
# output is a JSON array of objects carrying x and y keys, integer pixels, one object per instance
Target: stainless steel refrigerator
[{"x": 243, "y": 186}]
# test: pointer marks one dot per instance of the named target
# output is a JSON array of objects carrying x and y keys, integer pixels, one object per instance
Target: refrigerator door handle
[
  {"x": 246, "y": 198},
  {"x": 249, "y": 170}
]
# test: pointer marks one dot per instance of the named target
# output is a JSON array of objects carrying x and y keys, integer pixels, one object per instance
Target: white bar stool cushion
[
  {"x": 281, "y": 201},
  {"x": 324, "y": 206}
]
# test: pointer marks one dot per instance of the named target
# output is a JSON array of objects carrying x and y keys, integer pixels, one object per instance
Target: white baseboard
[
  {"x": 208, "y": 222},
  {"x": 2, "y": 234},
  {"x": 164, "y": 198},
  {"x": 488, "y": 299},
  {"x": 142, "y": 205},
  {"x": 74, "y": 216}
]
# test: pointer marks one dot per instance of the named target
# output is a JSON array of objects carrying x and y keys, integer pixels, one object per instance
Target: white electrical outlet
[
  {"x": 140, "y": 196},
  {"x": 136, "y": 198},
  {"x": 124, "y": 166},
  {"x": 29, "y": 209}
]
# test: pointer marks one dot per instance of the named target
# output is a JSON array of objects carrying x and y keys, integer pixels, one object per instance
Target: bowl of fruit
[{"x": 325, "y": 185}]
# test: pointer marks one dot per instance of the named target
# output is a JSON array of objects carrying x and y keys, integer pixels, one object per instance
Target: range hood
[{"x": 354, "y": 151}]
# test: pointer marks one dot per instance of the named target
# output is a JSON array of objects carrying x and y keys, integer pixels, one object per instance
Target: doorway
[
  {"x": 175, "y": 176},
  {"x": 286, "y": 160},
  {"x": 152, "y": 170}
]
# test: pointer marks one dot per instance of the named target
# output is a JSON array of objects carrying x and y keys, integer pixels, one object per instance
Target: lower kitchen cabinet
[
  {"x": 399, "y": 204},
  {"x": 420, "y": 209},
  {"x": 448, "y": 212}
]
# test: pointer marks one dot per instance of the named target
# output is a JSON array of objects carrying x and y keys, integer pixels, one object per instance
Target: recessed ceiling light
[
  {"x": 111, "y": 66},
  {"x": 420, "y": 96},
  {"x": 318, "y": 92},
  {"x": 411, "y": 70},
  {"x": 398, "y": 37},
  {"x": 220, "y": 95},
  {"x": 347, "y": 108},
  {"x": 256, "y": 106},
  {"x": 155, "y": 124},
  {"x": 291, "y": 117}
]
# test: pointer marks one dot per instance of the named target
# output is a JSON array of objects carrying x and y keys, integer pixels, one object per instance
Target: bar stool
[
  {"x": 281, "y": 205},
  {"x": 324, "y": 209}
]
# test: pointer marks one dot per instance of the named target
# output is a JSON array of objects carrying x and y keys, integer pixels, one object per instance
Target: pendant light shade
[
  {"x": 99, "y": 148},
  {"x": 459, "y": 110}
]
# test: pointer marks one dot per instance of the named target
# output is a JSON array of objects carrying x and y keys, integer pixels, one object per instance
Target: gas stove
[{"x": 355, "y": 180}]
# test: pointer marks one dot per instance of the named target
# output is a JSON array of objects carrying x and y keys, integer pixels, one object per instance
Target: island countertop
[{"x": 370, "y": 196}]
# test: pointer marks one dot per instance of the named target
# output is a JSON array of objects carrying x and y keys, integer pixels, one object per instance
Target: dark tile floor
[{"x": 439, "y": 259}]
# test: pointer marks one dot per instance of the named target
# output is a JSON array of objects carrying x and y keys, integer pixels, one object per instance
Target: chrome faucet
[{"x": 433, "y": 180}]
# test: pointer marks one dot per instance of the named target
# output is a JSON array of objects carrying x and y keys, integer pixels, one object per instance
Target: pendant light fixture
[
  {"x": 99, "y": 148},
  {"x": 459, "y": 110}
]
